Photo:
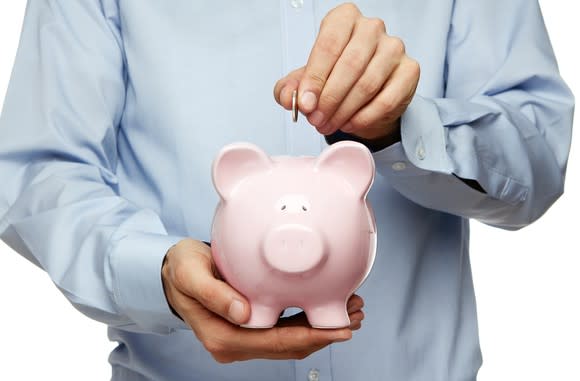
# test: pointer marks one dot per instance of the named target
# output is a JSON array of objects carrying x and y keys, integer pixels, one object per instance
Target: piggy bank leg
[
  {"x": 262, "y": 316},
  {"x": 328, "y": 315}
]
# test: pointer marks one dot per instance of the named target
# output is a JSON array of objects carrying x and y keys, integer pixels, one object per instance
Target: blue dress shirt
[{"x": 116, "y": 109}]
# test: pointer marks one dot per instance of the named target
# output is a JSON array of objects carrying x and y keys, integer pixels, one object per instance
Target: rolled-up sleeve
[{"x": 505, "y": 121}]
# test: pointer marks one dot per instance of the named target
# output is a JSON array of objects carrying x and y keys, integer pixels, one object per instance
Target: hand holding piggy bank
[{"x": 294, "y": 231}]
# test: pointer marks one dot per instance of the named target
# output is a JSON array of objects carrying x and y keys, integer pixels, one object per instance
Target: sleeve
[
  {"x": 505, "y": 122},
  {"x": 59, "y": 201}
]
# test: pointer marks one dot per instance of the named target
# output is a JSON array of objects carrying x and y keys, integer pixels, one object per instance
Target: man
[{"x": 116, "y": 109}]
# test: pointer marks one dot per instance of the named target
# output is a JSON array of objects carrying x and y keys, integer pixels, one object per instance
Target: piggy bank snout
[{"x": 293, "y": 248}]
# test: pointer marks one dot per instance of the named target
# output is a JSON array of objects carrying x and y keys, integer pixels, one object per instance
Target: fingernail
[
  {"x": 347, "y": 127},
  {"x": 236, "y": 311},
  {"x": 316, "y": 118},
  {"x": 308, "y": 101}
]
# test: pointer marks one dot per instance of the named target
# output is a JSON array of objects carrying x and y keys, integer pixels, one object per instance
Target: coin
[{"x": 295, "y": 106}]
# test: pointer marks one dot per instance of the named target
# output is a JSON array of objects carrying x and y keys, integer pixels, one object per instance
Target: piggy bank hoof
[
  {"x": 329, "y": 316},
  {"x": 262, "y": 317}
]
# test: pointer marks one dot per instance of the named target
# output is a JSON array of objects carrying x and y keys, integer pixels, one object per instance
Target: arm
[
  {"x": 505, "y": 121},
  {"x": 59, "y": 205},
  {"x": 494, "y": 148}
]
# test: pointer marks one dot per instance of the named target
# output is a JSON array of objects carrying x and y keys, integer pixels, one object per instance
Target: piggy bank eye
[
  {"x": 304, "y": 208},
  {"x": 283, "y": 207}
]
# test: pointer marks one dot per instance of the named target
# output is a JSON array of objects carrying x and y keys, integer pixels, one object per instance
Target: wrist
[
  {"x": 164, "y": 281},
  {"x": 169, "y": 261},
  {"x": 374, "y": 139}
]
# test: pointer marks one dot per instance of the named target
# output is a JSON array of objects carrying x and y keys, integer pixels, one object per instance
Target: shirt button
[
  {"x": 421, "y": 153},
  {"x": 399, "y": 166},
  {"x": 420, "y": 149},
  {"x": 313, "y": 375},
  {"x": 296, "y": 3}
]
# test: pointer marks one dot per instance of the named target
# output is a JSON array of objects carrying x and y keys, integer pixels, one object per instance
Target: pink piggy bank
[{"x": 294, "y": 231}]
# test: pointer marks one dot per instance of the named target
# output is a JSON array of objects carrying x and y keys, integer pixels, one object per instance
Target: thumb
[
  {"x": 194, "y": 277},
  {"x": 218, "y": 296},
  {"x": 285, "y": 86}
]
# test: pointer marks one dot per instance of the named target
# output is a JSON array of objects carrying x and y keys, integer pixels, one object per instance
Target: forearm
[
  {"x": 494, "y": 145},
  {"x": 489, "y": 142},
  {"x": 103, "y": 252}
]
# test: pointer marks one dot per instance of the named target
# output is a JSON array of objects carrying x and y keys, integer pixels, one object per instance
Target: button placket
[
  {"x": 299, "y": 33},
  {"x": 313, "y": 374}
]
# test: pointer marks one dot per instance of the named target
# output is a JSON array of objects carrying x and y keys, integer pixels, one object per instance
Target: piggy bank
[{"x": 294, "y": 231}]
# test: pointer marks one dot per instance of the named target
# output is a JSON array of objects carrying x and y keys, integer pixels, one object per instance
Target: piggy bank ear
[
  {"x": 234, "y": 163},
  {"x": 351, "y": 160}
]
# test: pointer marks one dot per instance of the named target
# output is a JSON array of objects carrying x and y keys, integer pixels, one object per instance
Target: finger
[
  {"x": 292, "y": 338},
  {"x": 348, "y": 69},
  {"x": 355, "y": 325},
  {"x": 299, "y": 355},
  {"x": 391, "y": 102},
  {"x": 354, "y": 303},
  {"x": 284, "y": 87},
  {"x": 305, "y": 341},
  {"x": 358, "y": 315},
  {"x": 193, "y": 277},
  {"x": 228, "y": 343},
  {"x": 280, "y": 342},
  {"x": 335, "y": 32},
  {"x": 193, "y": 313},
  {"x": 387, "y": 58}
]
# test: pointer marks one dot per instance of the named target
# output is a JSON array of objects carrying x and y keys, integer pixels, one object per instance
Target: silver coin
[{"x": 295, "y": 106}]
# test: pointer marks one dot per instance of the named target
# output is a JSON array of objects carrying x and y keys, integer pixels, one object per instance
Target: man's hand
[
  {"x": 213, "y": 310},
  {"x": 358, "y": 79}
]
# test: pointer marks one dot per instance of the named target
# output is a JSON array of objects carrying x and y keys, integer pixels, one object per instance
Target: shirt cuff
[
  {"x": 138, "y": 289},
  {"x": 392, "y": 161},
  {"x": 423, "y": 137}
]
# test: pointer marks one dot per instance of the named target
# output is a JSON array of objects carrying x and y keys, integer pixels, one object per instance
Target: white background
[{"x": 527, "y": 282}]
